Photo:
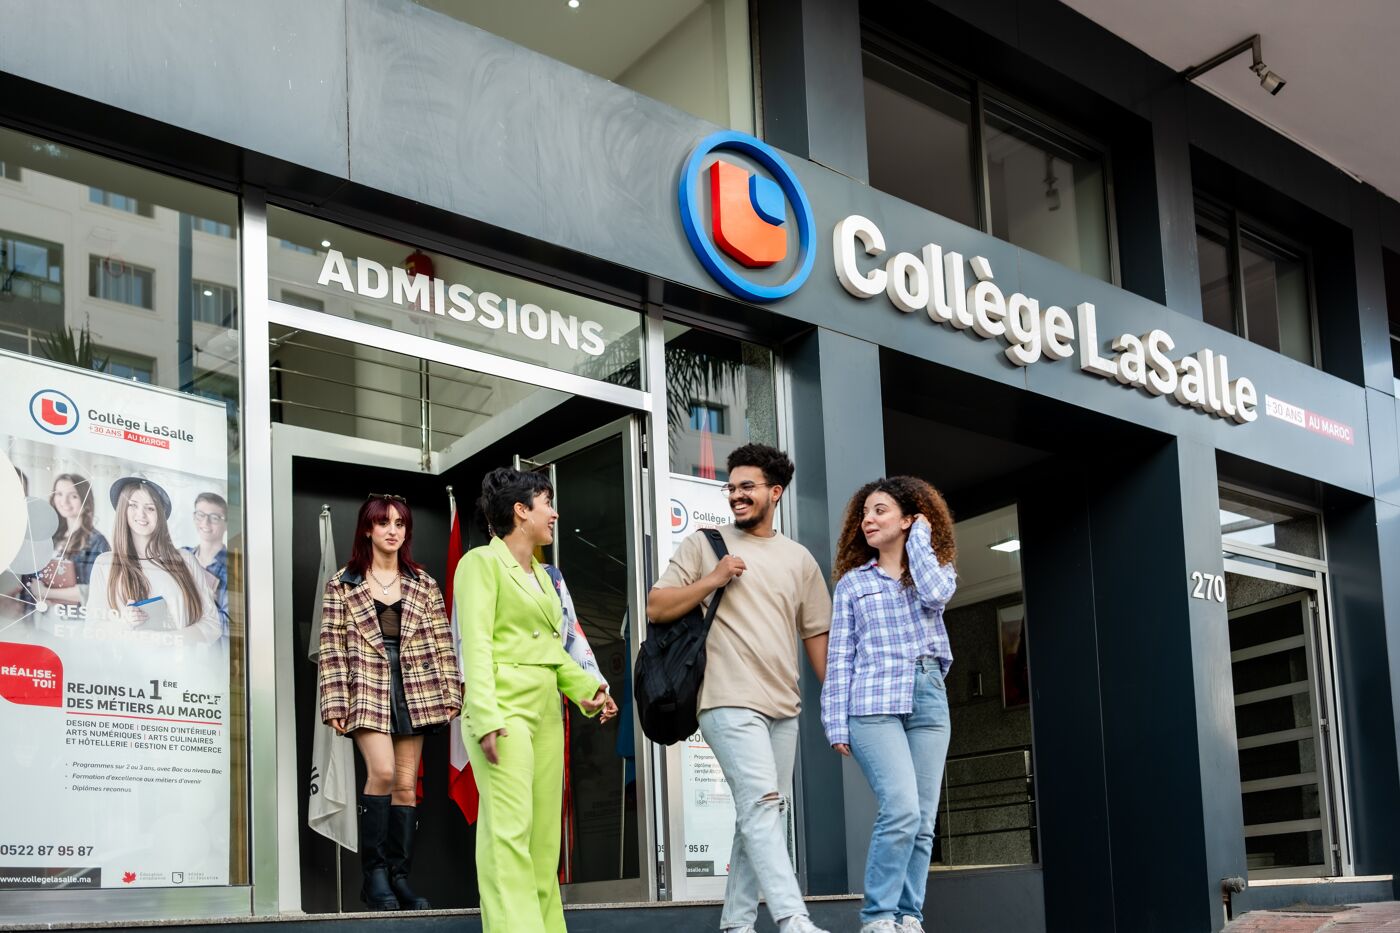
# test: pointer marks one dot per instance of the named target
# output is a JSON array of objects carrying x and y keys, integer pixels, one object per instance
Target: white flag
[{"x": 330, "y": 808}]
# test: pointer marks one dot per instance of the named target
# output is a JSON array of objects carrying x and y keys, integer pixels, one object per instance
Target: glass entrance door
[
  {"x": 1282, "y": 727},
  {"x": 597, "y": 547}
]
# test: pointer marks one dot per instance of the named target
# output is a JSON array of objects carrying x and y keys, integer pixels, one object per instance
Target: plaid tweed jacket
[{"x": 354, "y": 668}]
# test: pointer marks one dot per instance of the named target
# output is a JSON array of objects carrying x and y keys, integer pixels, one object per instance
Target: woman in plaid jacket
[
  {"x": 388, "y": 677},
  {"x": 884, "y": 701}
]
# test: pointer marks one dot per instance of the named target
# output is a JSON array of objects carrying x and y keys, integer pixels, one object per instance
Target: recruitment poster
[
  {"x": 114, "y": 667},
  {"x": 698, "y": 503}
]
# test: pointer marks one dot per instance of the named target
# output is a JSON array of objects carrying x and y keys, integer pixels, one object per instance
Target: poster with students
[{"x": 114, "y": 665}]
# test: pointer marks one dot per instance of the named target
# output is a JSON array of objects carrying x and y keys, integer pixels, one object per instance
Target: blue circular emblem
[
  {"x": 703, "y": 244},
  {"x": 53, "y": 411}
]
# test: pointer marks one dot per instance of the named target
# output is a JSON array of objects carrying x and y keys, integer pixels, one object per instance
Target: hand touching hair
[{"x": 914, "y": 497}]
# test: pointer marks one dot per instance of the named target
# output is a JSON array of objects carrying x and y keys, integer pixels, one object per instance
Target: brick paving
[{"x": 1361, "y": 918}]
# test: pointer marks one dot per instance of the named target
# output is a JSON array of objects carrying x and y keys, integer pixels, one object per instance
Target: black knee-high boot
[
  {"x": 374, "y": 827},
  {"x": 403, "y": 823}
]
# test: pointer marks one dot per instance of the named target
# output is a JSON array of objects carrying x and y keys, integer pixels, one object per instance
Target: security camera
[{"x": 1268, "y": 80}]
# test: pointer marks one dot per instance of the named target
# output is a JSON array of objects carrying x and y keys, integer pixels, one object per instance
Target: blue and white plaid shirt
[{"x": 878, "y": 628}]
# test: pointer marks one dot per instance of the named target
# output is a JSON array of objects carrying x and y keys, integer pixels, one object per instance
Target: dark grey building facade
[{"x": 1178, "y": 644}]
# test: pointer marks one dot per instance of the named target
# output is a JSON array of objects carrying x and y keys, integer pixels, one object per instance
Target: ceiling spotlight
[
  {"x": 573, "y": 4},
  {"x": 1269, "y": 80},
  {"x": 208, "y": 293},
  {"x": 325, "y": 244}
]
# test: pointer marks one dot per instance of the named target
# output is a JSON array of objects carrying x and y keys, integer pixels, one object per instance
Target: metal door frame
[
  {"x": 273, "y": 823},
  {"x": 627, "y": 428},
  {"x": 1327, "y": 735}
]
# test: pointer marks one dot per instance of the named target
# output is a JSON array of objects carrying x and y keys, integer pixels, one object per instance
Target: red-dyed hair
[{"x": 375, "y": 510}]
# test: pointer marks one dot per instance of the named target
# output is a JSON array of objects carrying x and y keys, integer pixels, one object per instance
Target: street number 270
[{"x": 1208, "y": 586}]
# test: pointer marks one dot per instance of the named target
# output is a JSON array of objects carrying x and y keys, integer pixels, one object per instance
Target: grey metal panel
[
  {"x": 838, "y": 444},
  {"x": 1217, "y": 767},
  {"x": 1370, "y": 289},
  {"x": 1381, "y": 411},
  {"x": 1363, "y": 546},
  {"x": 1175, "y": 204},
  {"x": 167, "y": 904},
  {"x": 267, "y": 75},
  {"x": 515, "y": 139},
  {"x": 1334, "y": 891},
  {"x": 535, "y": 146}
]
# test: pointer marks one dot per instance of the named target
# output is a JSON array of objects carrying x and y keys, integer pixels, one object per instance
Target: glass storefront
[{"x": 121, "y": 585}]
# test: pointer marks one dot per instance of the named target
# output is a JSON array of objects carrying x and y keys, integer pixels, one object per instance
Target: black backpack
[{"x": 671, "y": 666}]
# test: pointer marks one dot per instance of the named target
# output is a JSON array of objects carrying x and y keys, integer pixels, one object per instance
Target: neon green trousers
[{"x": 522, "y": 799}]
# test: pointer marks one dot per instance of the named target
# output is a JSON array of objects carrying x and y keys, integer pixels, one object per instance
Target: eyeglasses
[
  {"x": 730, "y": 489},
  {"x": 388, "y": 497},
  {"x": 213, "y": 518}
]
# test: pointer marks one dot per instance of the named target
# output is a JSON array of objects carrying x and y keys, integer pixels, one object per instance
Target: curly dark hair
[
  {"x": 914, "y": 497},
  {"x": 501, "y": 489},
  {"x": 776, "y": 466}
]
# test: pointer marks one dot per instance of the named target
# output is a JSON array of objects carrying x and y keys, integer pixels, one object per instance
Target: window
[
  {"x": 126, "y": 366},
  {"x": 692, "y": 55},
  {"x": 214, "y": 304},
  {"x": 30, "y": 269},
  {"x": 116, "y": 280},
  {"x": 211, "y": 227},
  {"x": 963, "y": 150},
  {"x": 296, "y": 247},
  {"x": 705, "y": 417},
  {"x": 120, "y": 202},
  {"x": 136, "y": 376},
  {"x": 302, "y": 301},
  {"x": 708, "y": 377},
  {"x": 1253, "y": 283}
]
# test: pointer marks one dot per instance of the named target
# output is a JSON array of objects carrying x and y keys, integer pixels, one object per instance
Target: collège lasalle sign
[
  {"x": 935, "y": 283},
  {"x": 747, "y": 223}
]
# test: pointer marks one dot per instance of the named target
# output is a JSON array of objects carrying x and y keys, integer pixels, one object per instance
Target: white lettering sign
[
  {"x": 936, "y": 283},
  {"x": 432, "y": 295}
]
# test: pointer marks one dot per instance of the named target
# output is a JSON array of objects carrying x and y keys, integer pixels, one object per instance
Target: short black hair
[
  {"x": 776, "y": 466},
  {"x": 500, "y": 490}
]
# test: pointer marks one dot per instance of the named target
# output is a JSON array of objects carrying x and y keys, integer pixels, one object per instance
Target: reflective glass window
[
  {"x": 1259, "y": 522},
  {"x": 919, "y": 139},
  {"x": 121, "y": 412},
  {"x": 1046, "y": 194},
  {"x": 376, "y": 280}
]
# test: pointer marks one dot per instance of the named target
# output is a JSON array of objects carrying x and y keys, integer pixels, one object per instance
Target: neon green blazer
[{"x": 506, "y": 619}]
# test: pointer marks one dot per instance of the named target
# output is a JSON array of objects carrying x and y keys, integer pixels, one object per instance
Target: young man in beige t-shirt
[{"x": 775, "y": 596}]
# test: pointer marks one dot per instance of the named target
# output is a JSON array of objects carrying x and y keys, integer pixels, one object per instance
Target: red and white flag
[{"x": 461, "y": 785}]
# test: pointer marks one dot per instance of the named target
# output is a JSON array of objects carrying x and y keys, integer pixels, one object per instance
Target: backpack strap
[{"x": 721, "y": 551}]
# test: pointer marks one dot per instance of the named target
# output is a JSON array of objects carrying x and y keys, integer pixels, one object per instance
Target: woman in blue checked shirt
[{"x": 884, "y": 701}]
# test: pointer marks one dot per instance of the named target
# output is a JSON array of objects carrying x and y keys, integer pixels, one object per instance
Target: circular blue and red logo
[
  {"x": 53, "y": 411},
  {"x": 680, "y": 517},
  {"x": 748, "y": 222}
]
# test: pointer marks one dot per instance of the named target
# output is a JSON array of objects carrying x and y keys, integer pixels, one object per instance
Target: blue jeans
[
  {"x": 757, "y": 754},
  {"x": 902, "y": 756}
]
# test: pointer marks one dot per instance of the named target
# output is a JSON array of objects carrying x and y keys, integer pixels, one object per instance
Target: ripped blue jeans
[{"x": 757, "y": 754}]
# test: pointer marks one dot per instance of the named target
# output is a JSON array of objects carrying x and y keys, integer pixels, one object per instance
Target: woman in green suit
[{"x": 516, "y": 667}]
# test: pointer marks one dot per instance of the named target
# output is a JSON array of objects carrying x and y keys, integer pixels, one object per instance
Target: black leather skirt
[{"x": 400, "y": 722}]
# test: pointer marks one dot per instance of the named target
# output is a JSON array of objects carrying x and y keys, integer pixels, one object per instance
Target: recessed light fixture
[
  {"x": 1009, "y": 546},
  {"x": 208, "y": 293},
  {"x": 325, "y": 243},
  {"x": 573, "y": 4}
]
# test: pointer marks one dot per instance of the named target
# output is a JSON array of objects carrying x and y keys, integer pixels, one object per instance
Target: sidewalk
[{"x": 1362, "y": 918}]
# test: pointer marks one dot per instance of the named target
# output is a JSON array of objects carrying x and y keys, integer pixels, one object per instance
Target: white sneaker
[
  {"x": 802, "y": 924},
  {"x": 910, "y": 925},
  {"x": 881, "y": 926},
  {"x": 743, "y": 929}
]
